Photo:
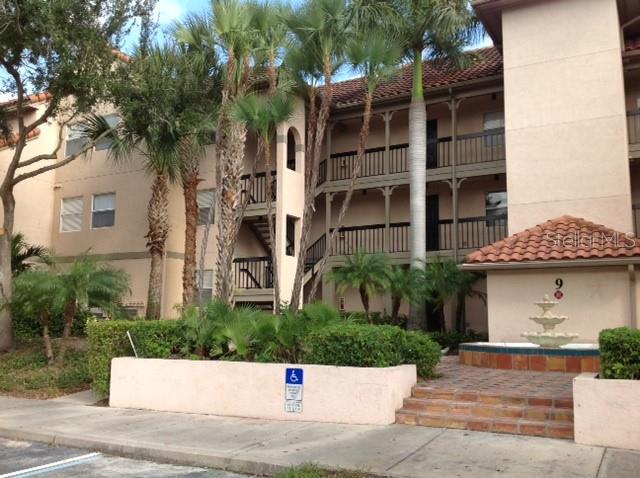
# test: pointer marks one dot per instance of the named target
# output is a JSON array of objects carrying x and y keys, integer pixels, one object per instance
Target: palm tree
[
  {"x": 147, "y": 128},
  {"x": 368, "y": 273},
  {"x": 38, "y": 293},
  {"x": 403, "y": 287},
  {"x": 23, "y": 253},
  {"x": 320, "y": 30},
  {"x": 437, "y": 29},
  {"x": 88, "y": 284},
  {"x": 262, "y": 115},
  {"x": 371, "y": 53}
]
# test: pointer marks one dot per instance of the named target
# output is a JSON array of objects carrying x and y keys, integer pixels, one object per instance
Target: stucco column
[
  {"x": 453, "y": 106},
  {"x": 327, "y": 140},
  {"x": 386, "y": 116}
]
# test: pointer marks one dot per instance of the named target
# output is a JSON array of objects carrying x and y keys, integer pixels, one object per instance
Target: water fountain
[{"x": 548, "y": 338}]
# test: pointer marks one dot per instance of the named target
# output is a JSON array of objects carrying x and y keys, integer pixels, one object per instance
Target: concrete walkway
[{"x": 263, "y": 447}]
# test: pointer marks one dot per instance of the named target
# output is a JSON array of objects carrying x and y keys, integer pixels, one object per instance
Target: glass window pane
[
  {"x": 205, "y": 201},
  {"x": 71, "y": 215},
  {"x": 496, "y": 206},
  {"x": 103, "y": 219},
  {"x": 112, "y": 120},
  {"x": 104, "y": 201}
]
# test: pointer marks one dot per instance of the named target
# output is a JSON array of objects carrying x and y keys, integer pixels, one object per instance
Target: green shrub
[
  {"x": 620, "y": 353},
  {"x": 108, "y": 339},
  {"x": 356, "y": 345},
  {"x": 421, "y": 350},
  {"x": 377, "y": 318},
  {"x": 454, "y": 339}
]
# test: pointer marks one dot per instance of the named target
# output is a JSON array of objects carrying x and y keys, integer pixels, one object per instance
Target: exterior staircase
[{"x": 489, "y": 412}]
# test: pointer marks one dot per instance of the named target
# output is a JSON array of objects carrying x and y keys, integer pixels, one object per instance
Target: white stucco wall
[
  {"x": 257, "y": 390},
  {"x": 566, "y": 137},
  {"x": 594, "y": 299}
]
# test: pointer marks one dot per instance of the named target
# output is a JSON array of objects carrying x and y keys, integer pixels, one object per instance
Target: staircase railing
[
  {"x": 253, "y": 273},
  {"x": 315, "y": 252},
  {"x": 257, "y": 190}
]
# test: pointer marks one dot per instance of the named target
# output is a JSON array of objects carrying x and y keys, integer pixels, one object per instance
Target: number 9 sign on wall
[{"x": 558, "y": 294}]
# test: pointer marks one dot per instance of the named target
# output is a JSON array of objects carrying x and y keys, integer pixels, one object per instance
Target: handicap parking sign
[{"x": 294, "y": 376}]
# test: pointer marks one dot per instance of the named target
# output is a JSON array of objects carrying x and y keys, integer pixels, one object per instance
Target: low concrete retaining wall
[
  {"x": 606, "y": 412},
  {"x": 256, "y": 390}
]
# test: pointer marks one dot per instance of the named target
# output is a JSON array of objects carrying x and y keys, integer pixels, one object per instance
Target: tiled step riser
[
  {"x": 488, "y": 411},
  {"x": 486, "y": 398},
  {"x": 515, "y": 427}
]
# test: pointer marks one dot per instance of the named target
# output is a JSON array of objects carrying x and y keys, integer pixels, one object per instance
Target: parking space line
[{"x": 56, "y": 465}]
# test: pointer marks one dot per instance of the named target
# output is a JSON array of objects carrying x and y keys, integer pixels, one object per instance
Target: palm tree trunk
[
  {"x": 272, "y": 236},
  {"x": 314, "y": 150},
  {"x": 230, "y": 204},
  {"x": 355, "y": 171},
  {"x": 396, "y": 301},
  {"x": 69, "y": 314},
  {"x": 8, "y": 209},
  {"x": 46, "y": 338},
  {"x": 364, "y": 297},
  {"x": 157, "y": 217},
  {"x": 190, "y": 192},
  {"x": 417, "y": 180}
]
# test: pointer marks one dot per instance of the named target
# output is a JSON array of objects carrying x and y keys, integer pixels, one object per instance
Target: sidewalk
[{"x": 263, "y": 447}]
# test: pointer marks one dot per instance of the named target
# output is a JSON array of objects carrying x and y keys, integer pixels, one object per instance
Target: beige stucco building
[{"x": 543, "y": 124}]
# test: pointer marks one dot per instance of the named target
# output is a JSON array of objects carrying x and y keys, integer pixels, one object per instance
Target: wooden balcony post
[
  {"x": 386, "y": 116},
  {"x": 453, "y": 106}
]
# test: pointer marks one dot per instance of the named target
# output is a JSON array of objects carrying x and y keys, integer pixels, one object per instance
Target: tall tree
[
  {"x": 229, "y": 29},
  {"x": 320, "y": 31},
  {"x": 376, "y": 57},
  {"x": 63, "y": 48},
  {"x": 147, "y": 129},
  {"x": 436, "y": 29}
]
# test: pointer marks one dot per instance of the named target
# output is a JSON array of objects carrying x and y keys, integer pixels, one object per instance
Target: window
[
  {"x": 205, "y": 203},
  {"x": 103, "y": 212},
  {"x": 291, "y": 236},
  {"x": 75, "y": 141},
  {"x": 206, "y": 292},
  {"x": 291, "y": 151},
  {"x": 71, "y": 214},
  {"x": 496, "y": 207},
  {"x": 112, "y": 120},
  {"x": 494, "y": 129}
]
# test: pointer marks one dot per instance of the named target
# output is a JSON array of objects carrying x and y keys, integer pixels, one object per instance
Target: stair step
[
  {"x": 516, "y": 426},
  {"x": 491, "y": 398}
]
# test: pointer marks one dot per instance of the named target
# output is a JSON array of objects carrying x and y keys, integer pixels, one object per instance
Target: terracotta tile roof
[
  {"x": 436, "y": 74},
  {"x": 5, "y": 144},
  {"x": 35, "y": 98},
  {"x": 563, "y": 238}
]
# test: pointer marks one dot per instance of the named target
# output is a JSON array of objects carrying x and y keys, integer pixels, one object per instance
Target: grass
[
  {"x": 25, "y": 373},
  {"x": 312, "y": 471}
]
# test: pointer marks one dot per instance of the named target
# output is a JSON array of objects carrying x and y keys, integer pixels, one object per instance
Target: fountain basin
[
  {"x": 572, "y": 358},
  {"x": 549, "y": 339}
]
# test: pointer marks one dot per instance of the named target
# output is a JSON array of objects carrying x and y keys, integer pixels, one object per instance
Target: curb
[{"x": 145, "y": 451}]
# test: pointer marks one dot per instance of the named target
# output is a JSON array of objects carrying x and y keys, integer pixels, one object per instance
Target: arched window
[{"x": 291, "y": 150}]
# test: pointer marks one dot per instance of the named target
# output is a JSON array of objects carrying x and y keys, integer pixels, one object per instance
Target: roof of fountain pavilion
[{"x": 565, "y": 238}]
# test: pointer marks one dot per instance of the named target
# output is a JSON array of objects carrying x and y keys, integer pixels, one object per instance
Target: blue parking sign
[{"x": 294, "y": 376}]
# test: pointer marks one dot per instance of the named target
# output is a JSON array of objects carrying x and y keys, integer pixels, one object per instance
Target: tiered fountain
[
  {"x": 548, "y": 338},
  {"x": 548, "y": 350}
]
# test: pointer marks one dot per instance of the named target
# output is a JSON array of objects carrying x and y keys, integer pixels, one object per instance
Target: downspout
[{"x": 633, "y": 303}]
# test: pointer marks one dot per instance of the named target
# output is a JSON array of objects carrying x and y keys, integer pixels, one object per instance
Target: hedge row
[
  {"x": 620, "y": 353},
  {"x": 108, "y": 339},
  {"x": 372, "y": 346}
]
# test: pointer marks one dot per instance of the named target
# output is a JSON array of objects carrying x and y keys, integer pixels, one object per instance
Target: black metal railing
[
  {"x": 253, "y": 273},
  {"x": 322, "y": 172},
  {"x": 473, "y": 233},
  {"x": 257, "y": 189},
  {"x": 315, "y": 252},
  {"x": 470, "y": 148},
  {"x": 633, "y": 126}
]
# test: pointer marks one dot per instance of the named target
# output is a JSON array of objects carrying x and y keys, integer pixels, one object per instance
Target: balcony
[
  {"x": 470, "y": 149},
  {"x": 633, "y": 129},
  {"x": 473, "y": 233},
  {"x": 257, "y": 190},
  {"x": 253, "y": 273}
]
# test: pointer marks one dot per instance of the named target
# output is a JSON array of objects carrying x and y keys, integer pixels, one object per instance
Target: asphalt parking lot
[{"x": 20, "y": 459}]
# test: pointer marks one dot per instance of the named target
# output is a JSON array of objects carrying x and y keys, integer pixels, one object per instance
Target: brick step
[
  {"x": 487, "y": 410},
  {"x": 491, "y": 398},
  {"x": 515, "y": 426}
]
